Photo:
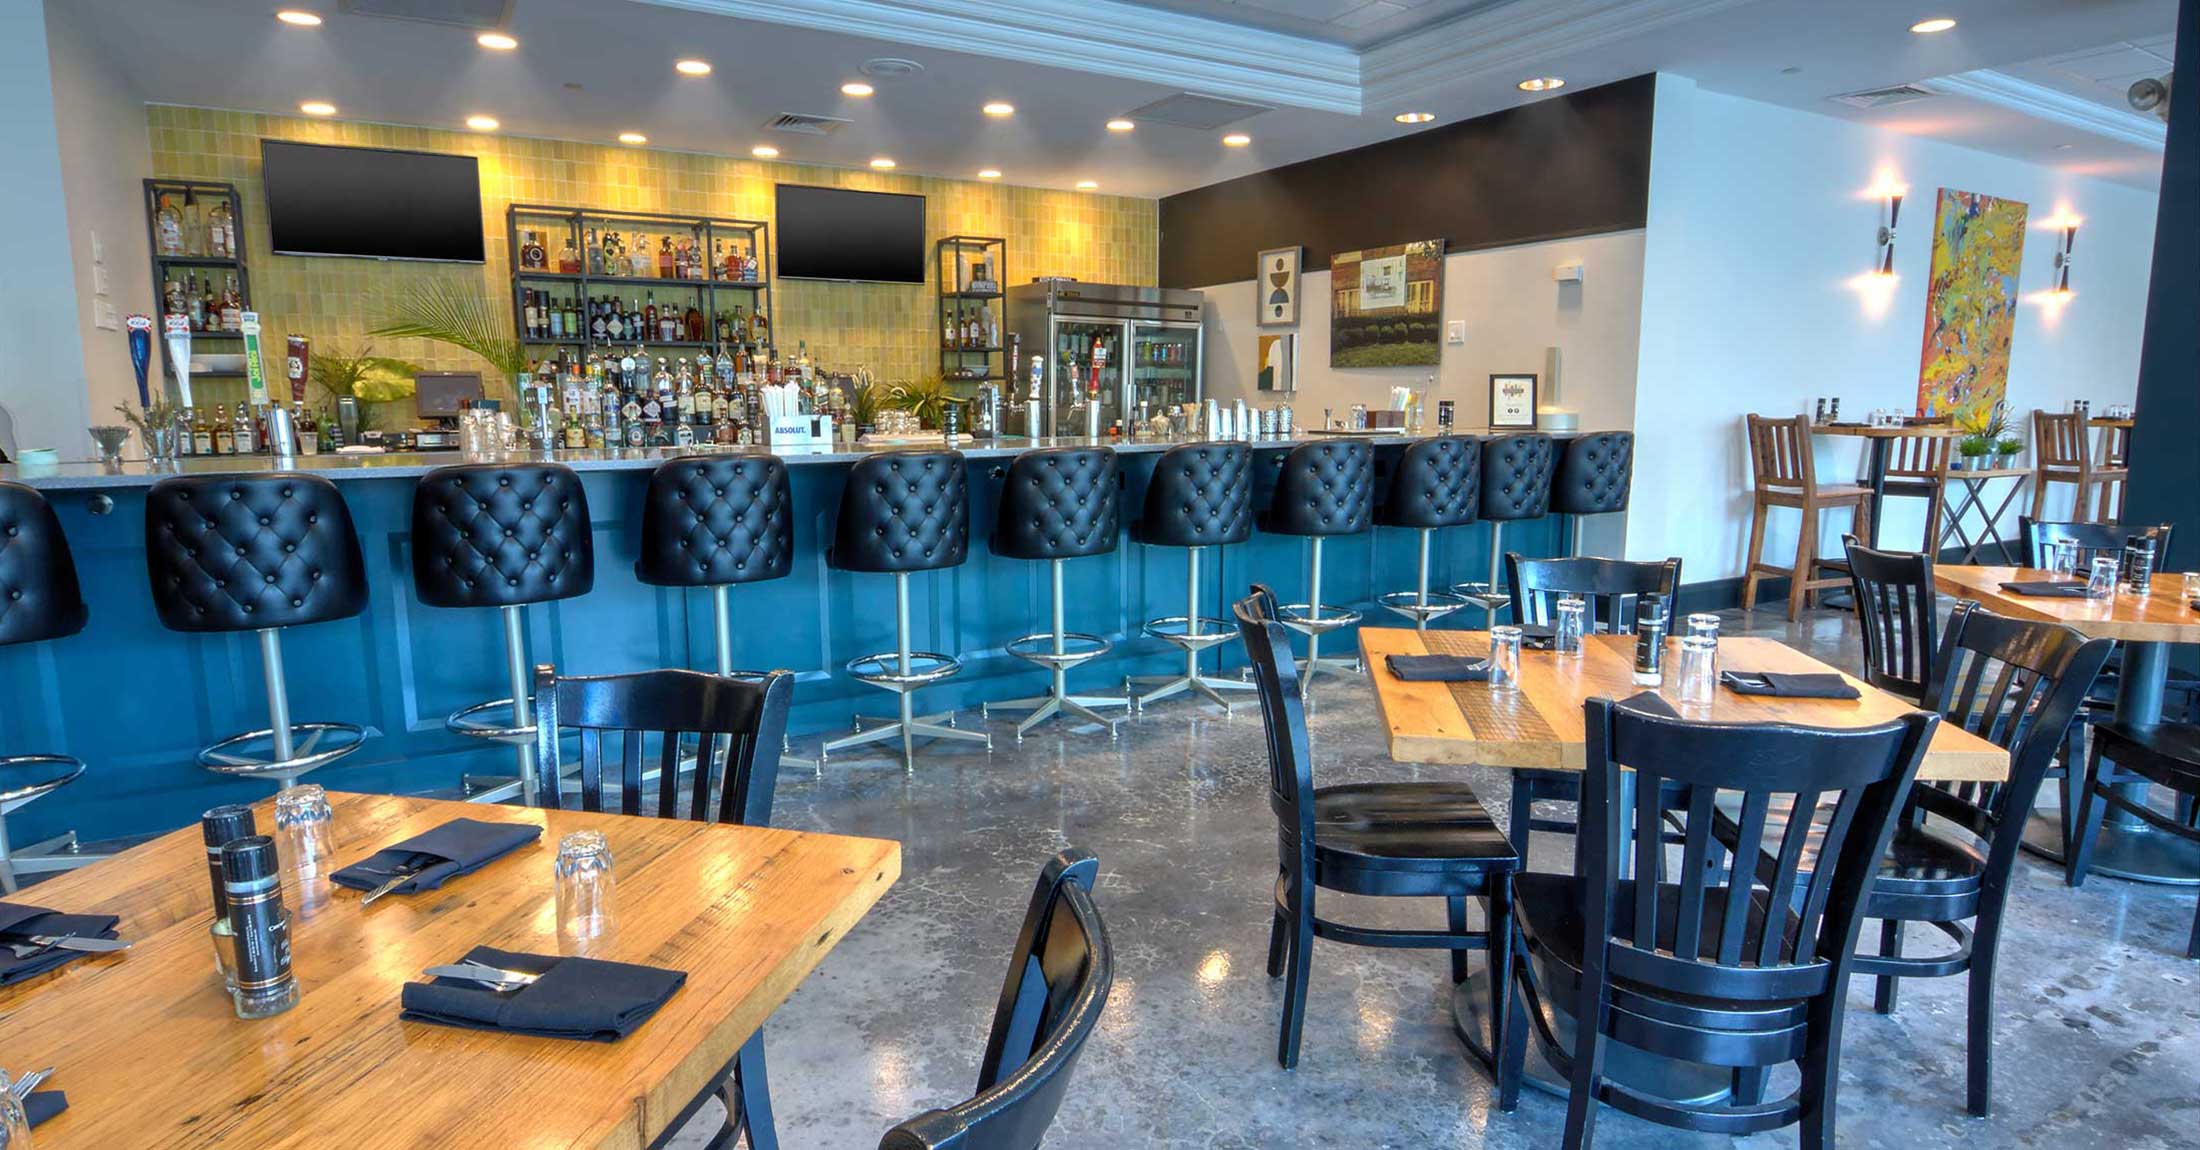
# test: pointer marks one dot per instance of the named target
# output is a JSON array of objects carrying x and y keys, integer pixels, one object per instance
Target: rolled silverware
[{"x": 403, "y": 876}]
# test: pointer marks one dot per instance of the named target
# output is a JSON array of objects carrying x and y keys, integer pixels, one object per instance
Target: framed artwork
[
  {"x": 1970, "y": 305},
  {"x": 1512, "y": 401},
  {"x": 1386, "y": 306},
  {"x": 1279, "y": 356},
  {"x": 1278, "y": 286}
]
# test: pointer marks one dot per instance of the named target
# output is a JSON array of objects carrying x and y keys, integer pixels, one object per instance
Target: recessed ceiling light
[
  {"x": 763, "y": 151},
  {"x": 1936, "y": 24},
  {"x": 1087, "y": 185},
  {"x": 1414, "y": 117},
  {"x": 990, "y": 174},
  {"x": 299, "y": 18},
  {"x": 692, "y": 67},
  {"x": 633, "y": 138},
  {"x": 482, "y": 123},
  {"x": 317, "y": 108},
  {"x": 496, "y": 41},
  {"x": 1121, "y": 126},
  {"x": 1542, "y": 84},
  {"x": 856, "y": 88},
  {"x": 1236, "y": 140},
  {"x": 882, "y": 163},
  {"x": 998, "y": 108}
]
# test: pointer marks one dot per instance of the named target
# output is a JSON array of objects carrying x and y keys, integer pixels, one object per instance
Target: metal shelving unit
[
  {"x": 202, "y": 194},
  {"x": 584, "y": 231},
  {"x": 969, "y": 278}
]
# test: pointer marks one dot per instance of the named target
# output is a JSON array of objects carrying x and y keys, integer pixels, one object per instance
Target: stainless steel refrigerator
[{"x": 1139, "y": 347}]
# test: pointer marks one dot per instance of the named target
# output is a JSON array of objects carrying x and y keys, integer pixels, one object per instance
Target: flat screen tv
[
  {"x": 372, "y": 203},
  {"x": 837, "y": 234}
]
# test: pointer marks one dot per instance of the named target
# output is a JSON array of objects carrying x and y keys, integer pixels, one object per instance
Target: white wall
[
  {"x": 1759, "y": 223},
  {"x": 106, "y": 154},
  {"x": 1513, "y": 311},
  {"x": 41, "y": 356}
]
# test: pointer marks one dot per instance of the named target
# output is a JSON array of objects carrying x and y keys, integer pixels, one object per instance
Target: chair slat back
[
  {"x": 1919, "y": 457},
  {"x": 1773, "y": 932},
  {"x": 2093, "y": 539},
  {"x": 1780, "y": 454},
  {"x": 1895, "y": 609},
  {"x": 731, "y": 726},
  {"x": 1282, "y": 713},
  {"x": 1615, "y": 588},
  {"x": 2059, "y": 441},
  {"x": 1059, "y": 975}
]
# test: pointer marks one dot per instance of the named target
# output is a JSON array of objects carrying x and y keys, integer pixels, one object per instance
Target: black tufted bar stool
[
  {"x": 1596, "y": 472},
  {"x": 1437, "y": 484},
  {"x": 715, "y": 522},
  {"x": 1516, "y": 484},
  {"x": 39, "y": 600},
  {"x": 1058, "y": 504},
  {"x": 1325, "y": 488},
  {"x": 904, "y": 511},
  {"x": 502, "y": 535},
  {"x": 259, "y": 553},
  {"x": 1201, "y": 496}
]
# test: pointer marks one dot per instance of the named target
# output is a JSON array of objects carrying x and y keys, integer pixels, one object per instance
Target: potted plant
[
  {"x": 371, "y": 379},
  {"x": 1973, "y": 449},
  {"x": 927, "y": 399},
  {"x": 442, "y": 311},
  {"x": 2006, "y": 450},
  {"x": 159, "y": 428}
]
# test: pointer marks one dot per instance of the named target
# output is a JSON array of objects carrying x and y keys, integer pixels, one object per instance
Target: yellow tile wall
[{"x": 889, "y": 328}]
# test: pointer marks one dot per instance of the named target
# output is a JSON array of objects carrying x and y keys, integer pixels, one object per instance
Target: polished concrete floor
[{"x": 2100, "y": 1014}]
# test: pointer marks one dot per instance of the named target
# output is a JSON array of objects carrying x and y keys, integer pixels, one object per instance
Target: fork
[{"x": 23, "y": 1086}]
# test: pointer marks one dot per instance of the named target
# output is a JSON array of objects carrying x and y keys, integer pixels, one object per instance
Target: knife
[
  {"x": 477, "y": 972},
  {"x": 76, "y": 942},
  {"x": 403, "y": 875}
]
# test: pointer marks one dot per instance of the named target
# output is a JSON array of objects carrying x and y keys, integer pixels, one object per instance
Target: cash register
[{"x": 440, "y": 396}]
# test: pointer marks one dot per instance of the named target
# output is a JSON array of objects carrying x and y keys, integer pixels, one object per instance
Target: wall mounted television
[
  {"x": 372, "y": 203},
  {"x": 840, "y": 234}
]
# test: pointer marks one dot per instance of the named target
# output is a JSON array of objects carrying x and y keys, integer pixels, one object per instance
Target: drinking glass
[
  {"x": 1699, "y": 669},
  {"x": 2062, "y": 559},
  {"x": 306, "y": 844},
  {"x": 1573, "y": 611},
  {"x": 2102, "y": 584},
  {"x": 2192, "y": 588},
  {"x": 1704, "y": 625},
  {"x": 586, "y": 923},
  {"x": 15, "y": 1124},
  {"x": 1505, "y": 658}
]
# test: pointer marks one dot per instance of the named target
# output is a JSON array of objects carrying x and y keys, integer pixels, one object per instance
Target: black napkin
[
  {"x": 461, "y": 846},
  {"x": 1650, "y": 703},
  {"x": 2047, "y": 589},
  {"x": 1438, "y": 668},
  {"x": 1787, "y": 685},
  {"x": 44, "y": 1104},
  {"x": 583, "y": 998},
  {"x": 19, "y": 922}
]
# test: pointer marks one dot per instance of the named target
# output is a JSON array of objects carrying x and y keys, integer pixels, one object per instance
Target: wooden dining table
[
  {"x": 2146, "y": 627},
  {"x": 152, "y": 1056}
]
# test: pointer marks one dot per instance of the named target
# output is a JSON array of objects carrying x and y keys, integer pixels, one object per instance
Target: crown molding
[
  {"x": 1105, "y": 37},
  {"x": 2045, "y": 103},
  {"x": 1512, "y": 35}
]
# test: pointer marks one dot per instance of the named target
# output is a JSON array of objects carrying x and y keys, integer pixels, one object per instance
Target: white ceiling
[{"x": 1334, "y": 72}]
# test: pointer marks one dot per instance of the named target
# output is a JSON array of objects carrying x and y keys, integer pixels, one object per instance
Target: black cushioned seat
[
  {"x": 903, "y": 511},
  {"x": 1200, "y": 496},
  {"x": 716, "y": 521},
  {"x": 1436, "y": 483},
  {"x": 1058, "y": 504},
  {"x": 1399, "y": 838},
  {"x": 501, "y": 535},
  {"x": 251, "y": 552},
  {"x": 1595, "y": 474},
  {"x": 1324, "y": 488},
  {"x": 1516, "y": 477},
  {"x": 39, "y": 595}
]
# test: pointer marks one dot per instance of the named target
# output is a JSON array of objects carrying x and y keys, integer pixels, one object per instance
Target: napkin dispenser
[{"x": 799, "y": 431}]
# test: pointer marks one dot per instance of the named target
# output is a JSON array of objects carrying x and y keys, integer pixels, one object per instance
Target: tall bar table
[{"x": 1875, "y": 457}]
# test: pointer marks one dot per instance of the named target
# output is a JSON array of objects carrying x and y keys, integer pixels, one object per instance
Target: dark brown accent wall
[{"x": 1574, "y": 165}]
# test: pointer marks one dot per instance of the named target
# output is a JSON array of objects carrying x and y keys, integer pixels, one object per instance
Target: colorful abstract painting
[{"x": 1971, "y": 304}]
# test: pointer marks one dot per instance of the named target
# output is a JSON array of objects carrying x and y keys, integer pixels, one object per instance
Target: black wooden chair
[
  {"x": 2017, "y": 684},
  {"x": 1058, "y": 980},
  {"x": 732, "y": 729},
  {"x": 1895, "y": 610},
  {"x": 1397, "y": 840},
  {"x": 2039, "y": 538},
  {"x": 1723, "y": 967},
  {"x": 1615, "y": 590},
  {"x": 2164, "y": 754}
]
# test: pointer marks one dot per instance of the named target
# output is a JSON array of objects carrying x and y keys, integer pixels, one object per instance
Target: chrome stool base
[
  {"x": 1192, "y": 633},
  {"x": 475, "y": 723},
  {"x": 311, "y": 746},
  {"x": 1315, "y": 620},
  {"x": 1058, "y": 702},
  {"x": 882, "y": 671},
  {"x": 1423, "y": 607},
  {"x": 55, "y": 854}
]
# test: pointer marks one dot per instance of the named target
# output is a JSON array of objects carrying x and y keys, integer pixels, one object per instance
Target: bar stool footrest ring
[
  {"x": 1078, "y": 647},
  {"x": 1411, "y": 605},
  {"x": 883, "y": 669},
  {"x": 1315, "y": 619},
  {"x": 474, "y": 723},
  {"x": 13, "y": 795},
  {"x": 318, "y": 745},
  {"x": 1175, "y": 630}
]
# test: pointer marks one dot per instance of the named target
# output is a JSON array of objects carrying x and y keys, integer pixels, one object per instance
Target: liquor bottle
[
  {"x": 569, "y": 261},
  {"x": 576, "y": 435},
  {"x": 242, "y": 432},
  {"x": 694, "y": 324},
  {"x": 221, "y": 231},
  {"x": 595, "y": 254},
  {"x": 599, "y": 327},
  {"x": 614, "y": 320},
  {"x": 650, "y": 329},
  {"x": 168, "y": 221},
  {"x": 664, "y": 259},
  {"x": 575, "y": 327},
  {"x": 719, "y": 268},
  {"x": 171, "y": 297},
  {"x": 309, "y": 430},
  {"x": 225, "y": 434},
  {"x": 194, "y": 304},
  {"x": 684, "y": 401},
  {"x": 531, "y": 255},
  {"x": 530, "y": 314},
  {"x": 202, "y": 433},
  {"x": 699, "y": 410},
  {"x": 557, "y": 320},
  {"x": 760, "y": 328},
  {"x": 232, "y": 306}
]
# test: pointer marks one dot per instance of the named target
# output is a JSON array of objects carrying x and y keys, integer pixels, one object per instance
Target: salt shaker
[{"x": 253, "y": 885}]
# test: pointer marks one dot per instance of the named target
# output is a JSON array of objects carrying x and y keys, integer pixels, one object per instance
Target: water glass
[
  {"x": 15, "y": 1124},
  {"x": 305, "y": 837},
  {"x": 1505, "y": 658},
  {"x": 2192, "y": 587},
  {"x": 1703, "y": 625},
  {"x": 1699, "y": 669},
  {"x": 2102, "y": 583},
  {"x": 2062, "y": 559},
  {"x": 1573, "y": 612},
  {"x": 586, "y": 922}
]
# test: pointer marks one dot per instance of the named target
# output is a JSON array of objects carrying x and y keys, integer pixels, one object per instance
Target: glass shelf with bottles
[
  {"x": 194, "y": 231},
  {"x": 548, "y": 317},
  {"x": 615, "y": 247}
]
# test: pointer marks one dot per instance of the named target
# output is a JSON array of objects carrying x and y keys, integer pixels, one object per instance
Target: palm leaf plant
[{"x": 446, "y": 312}]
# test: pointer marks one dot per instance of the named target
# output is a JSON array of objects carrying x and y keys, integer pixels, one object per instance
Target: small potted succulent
[
  {"x": 1974, "y": 450},
  {"x": 2006, "y": 450}
]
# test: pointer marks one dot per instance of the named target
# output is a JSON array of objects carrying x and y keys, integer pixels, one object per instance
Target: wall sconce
[
  {"x": 2063, "y": 245},
  {"x": 1893, "y": 216}
]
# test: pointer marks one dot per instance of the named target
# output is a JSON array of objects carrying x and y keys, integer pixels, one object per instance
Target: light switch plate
[
  {"x": 99, "y": 250},
  {"x": 1455, "y": 331},
  {"x": 104, "y": 317},
  {"x": 99, "y": 280}
]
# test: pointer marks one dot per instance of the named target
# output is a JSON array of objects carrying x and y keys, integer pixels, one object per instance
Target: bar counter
[{"x": 136, "y": 701}]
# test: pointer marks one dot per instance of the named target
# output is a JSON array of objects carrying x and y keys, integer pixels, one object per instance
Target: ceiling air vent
[
  {"x": 803, "y": 125},
  {"x": 475, "y": 14},
  {"x": 1882, "y": 97},
  {"x": 1186, "y": 110}
]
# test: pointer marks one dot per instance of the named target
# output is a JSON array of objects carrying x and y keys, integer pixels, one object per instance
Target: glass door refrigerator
[{"x": 1131, "y": 350}]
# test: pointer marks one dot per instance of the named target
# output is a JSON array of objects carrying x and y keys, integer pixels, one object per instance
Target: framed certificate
[{"x": 1512, "y": 401}]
